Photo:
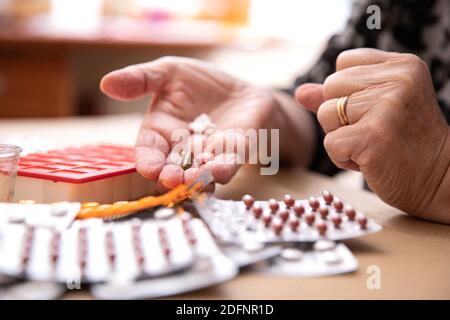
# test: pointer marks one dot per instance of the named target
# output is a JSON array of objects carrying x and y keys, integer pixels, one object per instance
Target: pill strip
[
  {"x": 98, "y": 253},
  {"x": 289, "y": 220}
]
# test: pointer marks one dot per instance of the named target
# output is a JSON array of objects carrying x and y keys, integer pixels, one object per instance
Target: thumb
[
  {"x": 310, "y": 95},
  {"x": 137, "y": 80}
]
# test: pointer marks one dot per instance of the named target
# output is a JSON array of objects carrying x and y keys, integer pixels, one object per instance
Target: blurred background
[{"x": 53, "y": 53}]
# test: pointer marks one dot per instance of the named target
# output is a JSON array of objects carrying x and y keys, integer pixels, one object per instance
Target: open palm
[{"x": 181, "y": 89}]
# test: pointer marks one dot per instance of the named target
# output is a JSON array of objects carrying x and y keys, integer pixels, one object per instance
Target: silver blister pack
[
  {"x": 211, "y": 267},
  {"x": 275, "y": 222},
  {"x": 92, "y": 252}
]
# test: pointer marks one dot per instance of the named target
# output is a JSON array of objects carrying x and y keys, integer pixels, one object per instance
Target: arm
[
  {"x": 396, "y": 134},
  {"x": 297, "y": 131},
  {"x": 395, "y": 35},
  {"x": 317, "y": 158}
]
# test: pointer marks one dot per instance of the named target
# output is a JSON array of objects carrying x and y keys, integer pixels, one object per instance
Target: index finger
[{"x": 360, "y": 57}]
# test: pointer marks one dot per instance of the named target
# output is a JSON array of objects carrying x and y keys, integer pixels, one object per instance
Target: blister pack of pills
[
  {"x": 57, "y": 215},
  {"x": 323, "y": 258},
  {"x": 211, "y": 267},
  {"x": 246, "y": 256},
  {"x": 92, "y": 251},
  {"x": 290, "y": 220}
]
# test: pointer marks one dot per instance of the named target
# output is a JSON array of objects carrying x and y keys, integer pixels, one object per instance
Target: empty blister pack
[
  {"x": 323, "y": 258},
  {"x": 211, "y": 267},
  {"x": 57, "y": 215},
  {"x": 95, "y": 252},
  {"x": 290, "y": 220},
  {"x": 250, "y": 254}
]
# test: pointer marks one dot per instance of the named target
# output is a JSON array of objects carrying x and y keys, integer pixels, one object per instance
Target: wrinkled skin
[
  {"x": 397, "y": 135},
  {"x": 181, "y": 90}
]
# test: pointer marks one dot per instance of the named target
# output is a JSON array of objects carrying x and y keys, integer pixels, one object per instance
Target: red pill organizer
[{"x": 99, "y": 173}]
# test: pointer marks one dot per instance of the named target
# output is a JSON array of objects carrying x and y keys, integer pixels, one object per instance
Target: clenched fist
[{"x": 396, "y": 136}]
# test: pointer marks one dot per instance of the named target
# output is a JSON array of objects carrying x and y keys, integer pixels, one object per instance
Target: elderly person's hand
[
  {"x": 396, "y": 136},
  {"x": 182, "y": 89}
]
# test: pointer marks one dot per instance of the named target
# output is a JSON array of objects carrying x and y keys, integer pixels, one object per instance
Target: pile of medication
[
  {"x": 289, "y": 220},
  {"x": 166, "y": 251}
]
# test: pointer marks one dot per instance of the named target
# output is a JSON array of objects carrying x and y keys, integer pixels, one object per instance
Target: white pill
[
  {"x": 252, "y": 246},
  {"x": 292, "y": 254},
  {"x": 324, "y": 245},
  {"x": 164, "y": 213},
  {"x": 58, "y": 211},
  {"x": 330, "y": 257}
]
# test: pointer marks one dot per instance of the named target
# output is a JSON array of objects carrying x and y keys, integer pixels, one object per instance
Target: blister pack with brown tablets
[{"x": 283, "y": 221}]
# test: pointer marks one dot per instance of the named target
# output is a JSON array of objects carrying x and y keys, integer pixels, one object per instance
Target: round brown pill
[
  {"x": 294, "y": 224},
  {"x": 337, "y": 220},
  {"x": 338, "y": 205},
  {"x": 350, "y": 213},
  {"x": 327, "y": 197},
  {"x": 284, "y": 215},
  {"x": 288, "y": 200},
  {"x": 257, "y": 211},
  {"x": 273, "y": 205},
  {"x": 323, "y": 211},
  {"x": 299, "y": 210},
  {"x": 278, "y": 227},
  {"x": 314, "y": 203},
  {"x": 267, "y": 219},
  {"x": 248, "y": 201},
  {"x": 362, "y": 220},
  {"x": 310, "y": 218},
  {"x": 321, "y": 227}
]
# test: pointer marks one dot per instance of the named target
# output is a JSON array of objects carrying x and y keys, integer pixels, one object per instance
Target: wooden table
[{"x": 413, "y": 255}]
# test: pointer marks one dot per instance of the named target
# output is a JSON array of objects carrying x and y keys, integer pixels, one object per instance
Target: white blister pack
[
  {"x": 91, "y": 252},
  {"x": 290, "y": 220},
  {"x": 58, "y": 215},
  {"x": 323, "y": 258},
  {"x": 211, "y": 267},
  {"x": 246, "y": 256}
]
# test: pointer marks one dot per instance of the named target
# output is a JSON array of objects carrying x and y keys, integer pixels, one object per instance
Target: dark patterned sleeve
[{"x": 413, "y": 26}]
